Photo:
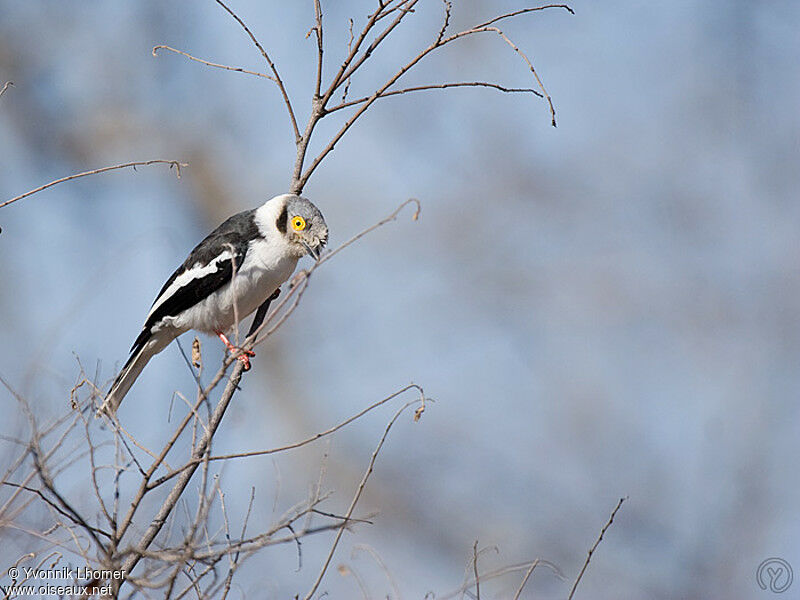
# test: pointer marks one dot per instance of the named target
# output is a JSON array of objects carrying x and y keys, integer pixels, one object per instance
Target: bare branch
[
  {"x": 171, "y": 163},
  {"x": 594, "y": 547},
  {"x": 210, "y": 64},
  {"x": 6, "y": 86}
]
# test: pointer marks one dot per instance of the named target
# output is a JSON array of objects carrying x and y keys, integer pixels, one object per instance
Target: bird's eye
[{"x": 298, "y": 223}]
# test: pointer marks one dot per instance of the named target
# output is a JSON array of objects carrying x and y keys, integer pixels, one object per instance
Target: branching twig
[
  {"x": 172, "y": 163},
  {"x": 350, "y": 66}
]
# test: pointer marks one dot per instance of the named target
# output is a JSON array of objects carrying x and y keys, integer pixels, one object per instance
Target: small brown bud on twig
[{"x": 197, "y": 358}]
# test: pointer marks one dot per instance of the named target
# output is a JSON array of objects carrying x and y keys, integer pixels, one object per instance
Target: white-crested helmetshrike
[{"x": 241, "y": 264}]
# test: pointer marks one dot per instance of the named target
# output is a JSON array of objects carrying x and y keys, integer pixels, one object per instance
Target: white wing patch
[{"x": 189, "y": 275}]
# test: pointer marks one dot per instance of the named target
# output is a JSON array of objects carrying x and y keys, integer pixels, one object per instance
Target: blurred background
[{"x": 605, "y": 309}]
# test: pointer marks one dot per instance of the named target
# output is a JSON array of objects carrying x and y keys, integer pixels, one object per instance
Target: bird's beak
[{"x": 312, "y": 252}]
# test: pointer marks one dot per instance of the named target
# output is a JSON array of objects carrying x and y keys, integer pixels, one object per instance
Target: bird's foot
[
  {"x": 244, "y": 358},
  {"x": 242, "y": 355}
]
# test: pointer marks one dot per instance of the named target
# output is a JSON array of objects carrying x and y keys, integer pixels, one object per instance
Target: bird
[{"x": 228, "y": 275}]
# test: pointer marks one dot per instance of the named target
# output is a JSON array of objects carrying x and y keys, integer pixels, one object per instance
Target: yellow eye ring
[{"x": 298, "y": 223}]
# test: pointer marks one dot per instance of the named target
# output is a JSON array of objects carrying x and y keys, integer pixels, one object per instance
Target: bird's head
[{"x": 303, "y": 226}]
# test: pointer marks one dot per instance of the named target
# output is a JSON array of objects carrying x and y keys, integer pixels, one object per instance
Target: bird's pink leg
[{"x": 243, "y": 355}]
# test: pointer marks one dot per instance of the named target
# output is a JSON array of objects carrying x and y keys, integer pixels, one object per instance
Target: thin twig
[
  {"x": 349, "y": 48},
  {"x": 499, "y": 573},
  {"x": 294, "y": 445},
  {"x": 172, "y": 163},
  {"x": 273, "y": 68},
  {"x": 523, "y": 11},
  {"x": 320, "y": 46},
  {"x": 382, "y": 565},
  {"x": 209, "y": 63},
  {"x": 345, "y": 570},
  {"x": 47, "y": 482},
  {"x": 534, "y": 564},
  {"x": 371, "y": 228},
  {"x": 295, "y": 294},
  {"x": 144, "y": 486},
  {"x": 524, "y": 56},
  {"x": 356, "y": 497},
  {"x": 58, "y": 509},
  {"x": 475, "y": 568},
  {"x": 594, "y": 547},
  {"x": 334, "y": 516},
  {"x": 448, "y": 7},
  {"x": 6, "y": 86},
  {"x": 441, "y": 86}
]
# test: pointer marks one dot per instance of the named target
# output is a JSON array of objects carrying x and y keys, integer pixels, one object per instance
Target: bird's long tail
[{"x": 133, "y": 367}]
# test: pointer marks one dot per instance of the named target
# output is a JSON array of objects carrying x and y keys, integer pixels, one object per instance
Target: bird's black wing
[{"x": 223, "y": 247}]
